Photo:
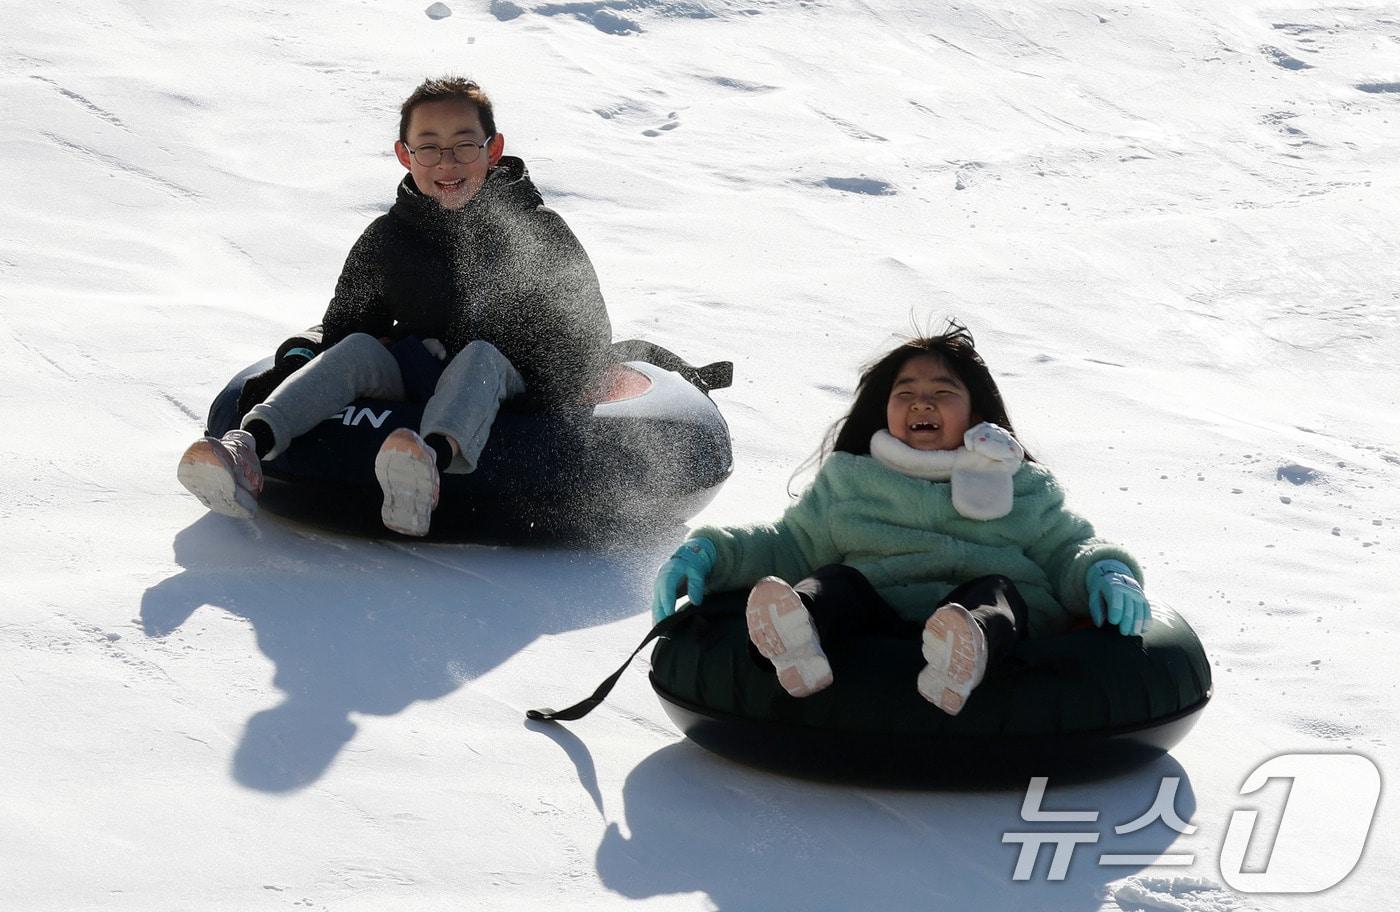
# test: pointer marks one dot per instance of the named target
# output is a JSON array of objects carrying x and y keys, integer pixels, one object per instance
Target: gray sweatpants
[{"x": 463, "y": 405}]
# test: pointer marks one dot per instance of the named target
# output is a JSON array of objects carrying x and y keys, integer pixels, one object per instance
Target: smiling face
[
  {"x": 929, "y": 407},
  {"x": 444, "y": 124}
]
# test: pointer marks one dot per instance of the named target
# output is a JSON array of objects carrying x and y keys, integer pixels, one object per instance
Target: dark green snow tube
[{"x": 1083, "y": 704}]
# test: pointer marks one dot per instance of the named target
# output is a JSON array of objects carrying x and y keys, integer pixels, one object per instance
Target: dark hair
[
  {"x": 445, "y": 88},
  {"x": 852, "y": 433}
]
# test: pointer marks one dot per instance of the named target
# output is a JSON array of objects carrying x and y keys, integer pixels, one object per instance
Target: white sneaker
[
  {"x": 407, "y": 471},
  {"x": 224, "y": 473},
  {"x": 955, "y": 649},
  {"x": 782, "y": 629}
]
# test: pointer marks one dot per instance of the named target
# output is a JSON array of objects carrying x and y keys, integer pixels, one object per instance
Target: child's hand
[
  {"x": 691, "y": 563},
  {"x": 993, "y": 442},
  {"x": 436, "y": 349},
  {"x": 1115, "y": 593}
]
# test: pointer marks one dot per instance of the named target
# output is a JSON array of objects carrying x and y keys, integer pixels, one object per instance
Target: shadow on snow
[
  {"x": 751, "y": 841},
  {"x": 359, "y": 626}
]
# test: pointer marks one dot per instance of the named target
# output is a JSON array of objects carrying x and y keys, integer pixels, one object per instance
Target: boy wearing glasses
[{"x": 469, "y": 288}]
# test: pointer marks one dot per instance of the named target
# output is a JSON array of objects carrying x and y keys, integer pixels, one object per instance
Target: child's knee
[
  {"x": 481, "y": 357},
  {"x": 481, "y": 350},
  {"x": 357, "y": 342},
  {"x": 362, "y": 351}
]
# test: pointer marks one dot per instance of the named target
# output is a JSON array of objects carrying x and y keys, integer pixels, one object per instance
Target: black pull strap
[{"x": 586, "y": 706}]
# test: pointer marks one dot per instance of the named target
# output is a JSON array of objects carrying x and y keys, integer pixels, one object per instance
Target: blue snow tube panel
[{"x": 651, "y": 454}]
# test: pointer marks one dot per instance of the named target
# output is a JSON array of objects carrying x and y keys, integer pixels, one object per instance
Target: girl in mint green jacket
[{"x": 927, "y": 518}]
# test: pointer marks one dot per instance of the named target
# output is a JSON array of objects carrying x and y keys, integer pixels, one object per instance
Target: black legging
[{"x": 844, "y": 605}]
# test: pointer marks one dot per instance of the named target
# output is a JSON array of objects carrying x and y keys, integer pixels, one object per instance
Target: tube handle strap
[{"x": 663, "y": 628}]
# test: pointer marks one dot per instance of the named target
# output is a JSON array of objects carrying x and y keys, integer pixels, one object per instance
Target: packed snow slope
[{"x": 1172, "y": 227}]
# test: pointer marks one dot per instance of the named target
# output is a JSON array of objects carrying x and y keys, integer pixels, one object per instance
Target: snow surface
[{"x": 1171, "y": 225}]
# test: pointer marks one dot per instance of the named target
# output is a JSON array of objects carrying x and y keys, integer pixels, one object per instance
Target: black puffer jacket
[{"x": 504, "y": 268}]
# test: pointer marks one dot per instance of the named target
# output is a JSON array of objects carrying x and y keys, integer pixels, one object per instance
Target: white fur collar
[
  {"x": 893, "y": 453},
  {"x": 981, "y": 470}
]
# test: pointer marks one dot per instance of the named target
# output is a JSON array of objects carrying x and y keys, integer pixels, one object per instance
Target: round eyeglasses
[{"x": 464, "y": 153}]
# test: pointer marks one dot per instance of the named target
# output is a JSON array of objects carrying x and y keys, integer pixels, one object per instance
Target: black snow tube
[
  {"x": 651, "y": 454},
  {"x": 1080, "y": 705}
]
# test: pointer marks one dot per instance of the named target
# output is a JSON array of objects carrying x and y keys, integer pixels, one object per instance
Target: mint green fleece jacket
[{"x": 903, "y": 534}]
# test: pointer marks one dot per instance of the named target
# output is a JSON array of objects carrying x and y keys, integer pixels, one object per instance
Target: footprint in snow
[
  {"x": 969, "y": 173},
  {"x": 1279, "y": 121},
  {"x": 1297, "y": 29},
  {"x": 1284, "y": 59},
  {"x": 867, "y": 186},
  {"x": 633, "y": 114},
  {"x": 1298, "y": 474},
  {"x": 739, "y": 85},
  {"x": 1326, "y": 729},
  {"x": 504, "y": 10},
  {"x": 598, "y": 15},
  {"x": 670, "y": 124},
  {"x": 610, "y": 23}
]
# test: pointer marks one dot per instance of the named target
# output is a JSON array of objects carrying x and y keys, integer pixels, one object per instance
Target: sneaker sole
[
  {"x": 955, "y": 650},
  {"x": 780, "y": 626},
  {"x": 408, "y": 477},
  {"x": 207, "y": 473}
]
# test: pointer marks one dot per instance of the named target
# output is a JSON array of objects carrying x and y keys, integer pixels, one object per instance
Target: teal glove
[
  {"x": 691, "y": 563},
  {"x": 1114, "y": 592}
]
